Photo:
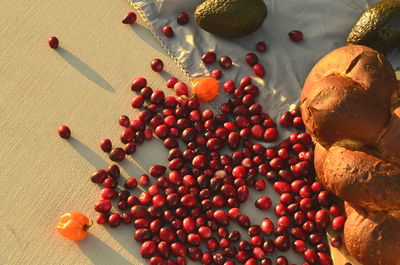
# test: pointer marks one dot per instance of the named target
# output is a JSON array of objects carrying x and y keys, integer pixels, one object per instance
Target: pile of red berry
[{"x": 215, "y": 161}]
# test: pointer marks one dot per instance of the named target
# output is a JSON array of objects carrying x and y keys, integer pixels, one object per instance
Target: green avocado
[
  {"x": 378, "y": 27},
  {"x": 231, "y": 18}
]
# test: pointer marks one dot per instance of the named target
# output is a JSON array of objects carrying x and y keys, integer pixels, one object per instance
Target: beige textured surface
[{"x": 84, "y": 85}]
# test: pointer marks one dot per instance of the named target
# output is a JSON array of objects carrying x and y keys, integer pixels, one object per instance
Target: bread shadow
[{"x": 84, "y": 69}]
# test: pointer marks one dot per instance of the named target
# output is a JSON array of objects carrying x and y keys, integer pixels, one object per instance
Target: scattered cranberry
[
  {"x": 251, "y": 59},
  {"x": 102, "y": 218},
  {"x": 336, "y": 242},
  {"x": 157, "y": 65},
  {"x": 263, "y": 203},
  {"x": 167, "y": 30},
  {"x": 130, "y": 18},
  {"x": 147, "y": 249},
  {"x": 225, "y": 62},
  {"x": 138, "y": 84},
  {"x": 216, "y": 73},
  {"x": 117, "y": 154},
  {"x": 181, "y": 89},
  {"x": 64, "y": 132},
  {"x": 338, "y": 223},
  {"x": 114, "y": 220},
  {"x": 53, "y": 42},
  {"x": 182, "y": 18},
  {"x": 296, "y": 35},
  {"x": 259, "y": 70},
  {"x": 261, "y": 46},
  {"x": 106, "y": 145},
  {"x": 209, "y": 57}
]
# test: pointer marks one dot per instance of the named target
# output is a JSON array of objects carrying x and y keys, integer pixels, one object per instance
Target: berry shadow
[
  {"x": 84, "y": 69},
  {"x": 98, "y": 252},
  {"x": 147, "y": 36},
  {"x": 87, "y": 153}
]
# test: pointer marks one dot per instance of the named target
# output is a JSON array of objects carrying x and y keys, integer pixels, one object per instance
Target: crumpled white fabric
[{"x": 324, "y": 23}]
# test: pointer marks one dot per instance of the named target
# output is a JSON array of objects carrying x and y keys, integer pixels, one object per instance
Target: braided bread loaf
[{"x": 350, "y": 104}]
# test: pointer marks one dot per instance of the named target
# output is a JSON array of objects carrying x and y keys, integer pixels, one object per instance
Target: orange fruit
[{"x": 205, "y": 88}]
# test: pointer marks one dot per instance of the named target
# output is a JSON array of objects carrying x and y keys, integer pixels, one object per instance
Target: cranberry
[
  {"x": 295, "y": 35},
  {"x": 167, "y": 30},
  {"x": 270, "y": 134},
  {"x": 200, "y": 161},
  {"x": 117, "y": 154},
  {"x": 282, "y": 243},
  {"x": 336, "y": 242},
  {"x": 130, "y": 18},
  {"x": 242, "y": 193},
  {"x": 156, "y": 261},
  {"x": 103, "y": 206},
  {"x": 261, "y": 46},
  {"x": 338, "y": 223},
  {"x": 182, "y": 18},
  {"x": 309, "y": 226},
  {"x": 244, "y": 221},
  {"x": 108, "y": 193},
  {"x": 266, "y": 261},
  {"x": 181, "y": 89},
  {"x": 225, "y": 62},
  {"x": 216, "y": 73},
  {"x": 157, "y": 65},
  {"x": 178, "y": 249},
  {"x": 221, "y": 217},
  {"x": 298, "y": 233},
  {"x": 335, "y": 210},
  {"x": 106, "y": 145},
  {"x": 188, "y": 201},
  {"x": 324, "y": 259},
  {"x": 322, "y": 219},
  {"x": 263, "y": 203},
  {"x": 102, "y": 218},
  {"x": 147, "y": 249},
  {"x": 259, "y": 70},
  {"x": 98, "y": 176},
  {"x": 281, "y": 260},
  {"x": 138, "y": 84},
  {"x": 310, "y": 256},
  {"x": 251, "y": 59},
  {"x": 64, "y": 132},
  {"x": 114, "y": 220},
  {"x": 209, "y": 57},
  {"x": 258, "y": 253},
  {"x": 298, "y": 123}
]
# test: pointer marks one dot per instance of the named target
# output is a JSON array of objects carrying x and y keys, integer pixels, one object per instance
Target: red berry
[
  {"x": 114, "y": 220},
  {"x": 167, "y": 30},
  {"x": 64, "y": 132},
  {"x": 251, "y": 59},
  {"x": 182, "y": 18},
  {"x": 259, "y": 70},
  {"x": 209, "y": 57},
  {"x": 117, "y": 154},
  {"x": 181, "y": 89},
  {"x": 225, "y": 62},
  {"x": 106, "y": 145},
  {"x": 296, "y": 35},
  {"x": 53, "y": 42},
  {"x": 138, "y": 84},
  {"x": 261, "y": 46},
  {"x": 157, "y": 65},
  {"x": 216, "y": 73},
  {"x": 130, "y": 18}
]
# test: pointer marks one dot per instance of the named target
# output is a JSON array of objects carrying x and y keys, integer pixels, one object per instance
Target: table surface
[{"x": 84, "y": 84}]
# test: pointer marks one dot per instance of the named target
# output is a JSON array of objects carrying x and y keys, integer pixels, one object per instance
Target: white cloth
[{"x": 324, "y": 23}]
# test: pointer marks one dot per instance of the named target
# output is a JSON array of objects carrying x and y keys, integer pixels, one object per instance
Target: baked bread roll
[{"x": 350, "y": 105}]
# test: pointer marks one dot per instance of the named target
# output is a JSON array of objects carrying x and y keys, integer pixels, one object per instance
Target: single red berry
[
  {"x": 167, "y": 30},
  {"x": 225, "y": 62},
  {"x": 138, "y": 84},
  {"x": 209, "y": 57},
  {"x": 106, "y": 145},
  {"x": 64, "y": 131},
  {"x": 270, "y": 134},
  {"x": 157, "y": 65},
  {"x": 296, "y": 35},
  {"x": 171, "y": 82},
  {"x": 114, "y": 220},
  {"x": 251, "y": 58},
  {"x": 181, "y": 89},
  {"x": 182, "y": 18},
  {"x": 117, "y": 154},
  {"x": 216, "y": 73},
  {"x": 261, "y": 46},
  {"x": 259, "y": 70},
  {"x": 229, "y": 86},
  {"x": 130, "y": 18},
  {"x": 53, "y": 42}
]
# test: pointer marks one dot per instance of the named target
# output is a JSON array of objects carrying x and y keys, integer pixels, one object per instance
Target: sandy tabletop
[{"x": 84, "y": 84}]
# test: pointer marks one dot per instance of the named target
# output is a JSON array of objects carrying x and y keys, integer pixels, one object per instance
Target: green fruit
[
  {"x": 378, "y": 27},
  {"x": 231, "y": 18}
]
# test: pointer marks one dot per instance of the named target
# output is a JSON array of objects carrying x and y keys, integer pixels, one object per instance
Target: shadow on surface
[
  {"x": 87, "y": 153},
  {"x": 100, "y": 253},
  {"x": 84, "y": 69},
  {"x": 147, "y": 36}
]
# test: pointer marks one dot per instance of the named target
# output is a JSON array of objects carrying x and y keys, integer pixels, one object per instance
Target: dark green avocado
[
  {"x": 231, "y": 18},
  {"x": 378, "y": 27}
]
